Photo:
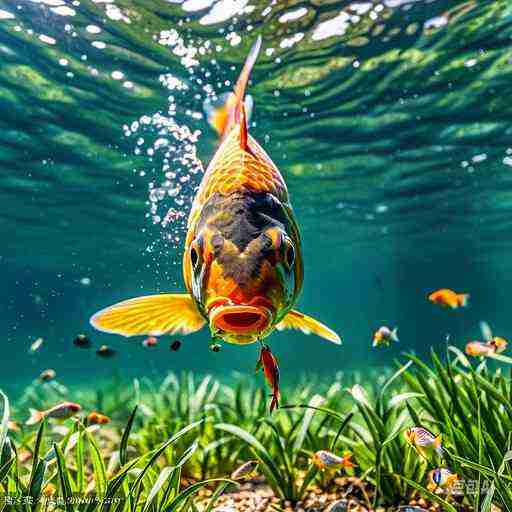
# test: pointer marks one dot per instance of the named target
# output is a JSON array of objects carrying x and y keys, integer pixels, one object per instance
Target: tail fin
[
  {"x": 438, "y": 444},
  {"x": 394, "y": 334},
  {"x": 463, "y": 299},
  {"x": 347, "y": 461},
  {"x": 274, "y": 403},
  {"x": 35, "y": 417},
  {"x": 228, "y": 115}
]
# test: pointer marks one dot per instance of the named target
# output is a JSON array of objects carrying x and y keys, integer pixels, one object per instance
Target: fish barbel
[{"x": 242, "y": 262}]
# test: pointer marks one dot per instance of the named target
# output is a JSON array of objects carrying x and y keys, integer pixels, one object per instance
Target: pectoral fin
[
  {"x": 306, "y": 324},
  {"x": 150, "y": 315}
]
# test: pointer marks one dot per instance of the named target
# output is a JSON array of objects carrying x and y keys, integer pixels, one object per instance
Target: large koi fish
[{"x": 242, "y": 263}]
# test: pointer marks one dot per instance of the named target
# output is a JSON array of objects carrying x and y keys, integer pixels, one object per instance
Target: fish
[
  {"x": 478, "y": 349},
  {"x": 268, "y": 363},
  {"x": 424, "y": 441},
  {"x": 96, "y": 418},
  {"x": 498, "y": 344},
  {"x": 36, "y": 345},
  {"x": 246, "y": 470},
  {"x": 13, "y": 426},
  {"x": 151, "y": 341},
  {"x": 175, "y": 345},
  {"x": 61, "y": 411},
  {"x": 324, "y": 459},
  {"x": 106, "y": 352},
  {"x": 82, "y": 341},
  {"x": 47, "y": 375},
  {"x": 49, "y": 490},
  {"x": 215, "y": 347},
  {"x": 242, "y": 259},
  {"x": 384, "y": 336},
  {"x": 448, "y": 298},
  {"x": 441, "y": 478}
]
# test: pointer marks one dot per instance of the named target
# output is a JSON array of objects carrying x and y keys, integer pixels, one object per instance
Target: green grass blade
[
  {"x": 4, "y": 425},
  {"x": 35, "y": 455},
  {"x": 193, "y": 489},
  {"x": 216, "y": 495},
  {"x": 126, "y": 435},
  {"x": 100, "y": 477},
  {"x": 65, "y": 479},
  {"x": 157, "y": 486}
]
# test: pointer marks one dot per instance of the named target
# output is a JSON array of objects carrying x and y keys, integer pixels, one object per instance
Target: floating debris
[
  {"x": 150, "y": 342},
  {"x": 82, "y": 341},
  {"x": 47, "y": 375},
  {"x": 106, "y": 352},
  {"x": 36, "y": 345},
  {"x": 175, "y": 345}
]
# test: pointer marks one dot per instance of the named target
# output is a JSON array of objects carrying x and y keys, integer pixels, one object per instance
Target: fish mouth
[{"x": 240, "y": 319}]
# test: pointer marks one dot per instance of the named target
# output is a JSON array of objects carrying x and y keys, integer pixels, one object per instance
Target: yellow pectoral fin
[
  {"x": 152, "y": 315},
  {"x": 297, "y": 320}
]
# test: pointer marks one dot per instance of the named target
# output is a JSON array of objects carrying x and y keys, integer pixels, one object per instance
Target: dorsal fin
[{"x": 244, "y": 132}]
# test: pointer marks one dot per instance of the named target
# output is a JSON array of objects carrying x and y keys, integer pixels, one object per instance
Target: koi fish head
[{"x": 244, "y": 273}]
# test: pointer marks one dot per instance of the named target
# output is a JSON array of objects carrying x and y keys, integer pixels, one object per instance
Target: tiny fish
[
  {"x": 175, "y": 345},
  {"x": 246, "y": 470},
  {"x": 82, "y": 341},
  {"x": 324, "y": 459},
  {"x": 449, "y": 298},
  {"x": 151, "y": 341},
  {"x": 49, "y": 490},
  {"x": 13, "y": 425},
  {"x": 478, "y": 349},
  {"x": 424, "y": 441},
  {"x": 441, "y": 478},
  {"x": 61, "y": 411},
  {"x": 215, "y": 347},
  {"x": 498, "y": 344},
  {"x": 36, "y": 345},
  {"x": 384, "y": 336},
  {"x": 24, "y": 456},
  {"x": 47, "y": 375},
  {"x": 95, "y": 418},
  {"x": 105, "y": 351},
  {"x": 268, "y": 362}
]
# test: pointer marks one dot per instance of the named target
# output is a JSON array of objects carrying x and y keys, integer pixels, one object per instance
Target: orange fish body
[
  {"x": 242, "y": 262},
  {"x": 96, "y": 418},
  {"x": 449, "y": 298},
  {"x": 268, "y": 363}
]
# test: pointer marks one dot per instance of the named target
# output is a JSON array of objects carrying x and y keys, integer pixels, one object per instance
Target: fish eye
[
  {"x": 290, "y": 256},
  {"x": 194, "y": 257}
]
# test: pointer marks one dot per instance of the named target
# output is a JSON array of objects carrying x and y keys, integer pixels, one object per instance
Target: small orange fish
[
  {"x": 498, "y": 344},
  {"x": 441, "y": 478},
  {"x": 449, "y": 298},
  {"x": 478, "y": 349},
  {"x": 242, "y": 260},
  {"x": 245, "y": 471},
  {"x": 268, "y": 362},
  {"x": 384, "y": 336},
  {"x": 95, "y": 418},
  {"x": 324, "y": 459},
  {"x": 49, "y": 490},
  {"x": 13, "y": 425},
  {"x": 61, "y": 411},
  {"x": 150, "y": 342},
  {"x": 47, "y": 375},
  {"x": 424, "y": 441}
]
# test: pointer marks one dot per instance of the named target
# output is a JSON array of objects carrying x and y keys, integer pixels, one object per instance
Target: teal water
[{"x": 390, "y": 122}]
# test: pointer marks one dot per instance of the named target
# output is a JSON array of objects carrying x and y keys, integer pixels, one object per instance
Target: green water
[{"x": 389, "y": 122}]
